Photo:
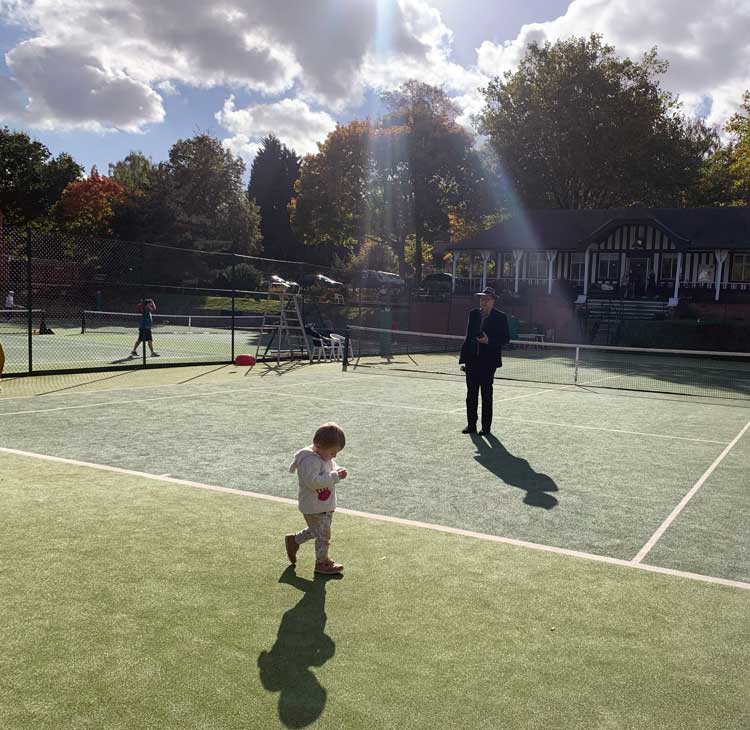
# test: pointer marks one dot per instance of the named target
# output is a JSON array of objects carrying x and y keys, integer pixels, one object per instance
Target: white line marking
[
  {"x": 273, "y": 391},
  {"x": 676, "y": 511},
  {"x": 542, "y": 392},
  {"x": 501, "y": 418},
  {"x": 395, "y": 520},
  {"x": 113, "y": 390},
  {"x": 517, "y": 397},
  {"x": 611, "y": 430},
  {"x": 356, "y": 402},
  {"x": 233, "y": 391}
]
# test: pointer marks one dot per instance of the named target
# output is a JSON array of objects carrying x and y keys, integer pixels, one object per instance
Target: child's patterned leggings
[{"x": 319, "y": 528}]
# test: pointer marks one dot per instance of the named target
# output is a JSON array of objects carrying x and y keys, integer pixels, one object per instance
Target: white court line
[
  {"x": 395, "y": 520},
  {"x": 233, "y": 391},
  {"x": 515, "y": 397},
  {"x": 357, "y": 402},
  {"x": 113, "y": 390},
  {"x": 273, "y": 391},
  {"x": 610, "y": 430},
  {"x": 676, "y": 511},
  {"x": 541, "y": 392}
]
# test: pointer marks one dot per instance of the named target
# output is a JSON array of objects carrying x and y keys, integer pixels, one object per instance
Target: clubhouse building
[{"x": 627, "y": 253}]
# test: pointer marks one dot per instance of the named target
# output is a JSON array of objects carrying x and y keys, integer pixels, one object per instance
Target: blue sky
[{"x": 138, "y": 74}]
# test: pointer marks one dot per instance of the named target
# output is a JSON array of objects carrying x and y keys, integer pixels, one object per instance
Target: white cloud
[
  {"x": 68, "y": 88},
  {"x": 707, "y": 44},
  {"x": 291, "y": 120},
  {"x": 107, "y": 65}
]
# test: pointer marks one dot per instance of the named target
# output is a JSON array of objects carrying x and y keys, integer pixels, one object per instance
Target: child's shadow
[
  {"x": 301, "y": 643},
  {"x": 492, "y": 455}
]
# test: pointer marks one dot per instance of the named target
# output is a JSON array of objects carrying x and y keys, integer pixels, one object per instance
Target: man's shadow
[
  {"x": 492, "y": 455},
  {"x": 301, "y": 643}
]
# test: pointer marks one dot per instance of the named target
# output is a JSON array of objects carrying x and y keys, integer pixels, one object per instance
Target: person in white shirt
[
  {"x": 318, "y": 475},
  {"x": 9, "y": 304}
]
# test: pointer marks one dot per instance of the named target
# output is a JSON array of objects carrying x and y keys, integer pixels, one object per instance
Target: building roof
[{"x": 688, "y": 228}]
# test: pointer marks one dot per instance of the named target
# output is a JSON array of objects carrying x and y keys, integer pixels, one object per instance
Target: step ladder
[{"x": 283, "y": 334}]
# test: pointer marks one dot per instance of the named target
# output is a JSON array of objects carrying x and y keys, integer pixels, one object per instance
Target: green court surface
[
  {"x": 69, "y": 348},
  {"x": 587, "y": 566}
]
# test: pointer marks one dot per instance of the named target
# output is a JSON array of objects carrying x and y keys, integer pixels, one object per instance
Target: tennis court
[
  {"x": 103, "y": 339},
  {"x": 588, "y": 565}
]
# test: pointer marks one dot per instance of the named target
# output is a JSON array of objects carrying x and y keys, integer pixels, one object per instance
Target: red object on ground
[{"x": 244, "y": 360}]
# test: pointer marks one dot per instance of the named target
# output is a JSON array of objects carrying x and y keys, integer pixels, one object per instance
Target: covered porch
[{"x": 614, "y": 254}]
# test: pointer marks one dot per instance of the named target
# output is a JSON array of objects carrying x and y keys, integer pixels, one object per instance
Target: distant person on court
[
  {"x": 318, "y": 475},
  {"x": 486, "y": 333},
  {"x": 146, "y": 307},
  {"x": 10, "y": 303}
]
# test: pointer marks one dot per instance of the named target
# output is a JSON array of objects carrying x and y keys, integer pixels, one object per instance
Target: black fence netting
[{"x": 72, "y": 302}]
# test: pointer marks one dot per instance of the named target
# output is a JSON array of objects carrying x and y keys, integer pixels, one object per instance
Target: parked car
[
  {"x": 438, "y": 283},
  {"x": 370, "y": 279}
]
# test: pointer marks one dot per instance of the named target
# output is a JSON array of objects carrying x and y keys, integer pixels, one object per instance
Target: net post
[
  {"x": 575, "y": 376},
  {"x": 83, "y": 322},
  {"x": 345, "y": 360}
]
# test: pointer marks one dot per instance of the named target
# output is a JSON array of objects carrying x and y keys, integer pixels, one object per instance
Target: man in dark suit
[{"x": 486, "y": 333}]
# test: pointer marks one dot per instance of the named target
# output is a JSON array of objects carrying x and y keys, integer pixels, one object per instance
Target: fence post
[
  {"x": 143, "y": 293},
  {"x": 234, "y": 292},
  {"x": 29, "y": 298}
]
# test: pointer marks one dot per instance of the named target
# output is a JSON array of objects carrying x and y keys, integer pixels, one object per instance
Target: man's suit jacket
[{"x": 489, "y": 356}]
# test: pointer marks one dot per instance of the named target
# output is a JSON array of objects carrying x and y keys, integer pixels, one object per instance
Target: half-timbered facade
[{"x": 633, "y": 252}]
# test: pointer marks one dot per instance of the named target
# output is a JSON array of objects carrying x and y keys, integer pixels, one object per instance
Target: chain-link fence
[{"x": 76, "y": 302}]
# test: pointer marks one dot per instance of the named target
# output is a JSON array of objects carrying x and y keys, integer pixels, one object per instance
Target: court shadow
[
  {"x": 517, "y": 472},
  {"x": 279, "y": 369},
  {"x": 301, "y": 644}
]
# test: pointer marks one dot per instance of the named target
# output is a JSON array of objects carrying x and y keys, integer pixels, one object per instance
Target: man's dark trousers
[{"x": 479, "y": 378}]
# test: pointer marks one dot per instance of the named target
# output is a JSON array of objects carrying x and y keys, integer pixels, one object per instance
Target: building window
[
  {"x": 741, "y": 267},
  {"x": 536, "y": 268},
  {"x": 507, "y": 268},
  {"x": 668, "y": 266},
  {"x": 577, "y": 266},
  {"x": 608, "y": 268}
]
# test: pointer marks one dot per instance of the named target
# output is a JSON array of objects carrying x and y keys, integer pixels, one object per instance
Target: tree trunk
[
  {"x": 400, "y": 246},
  {"x": 418, "y": 255}
]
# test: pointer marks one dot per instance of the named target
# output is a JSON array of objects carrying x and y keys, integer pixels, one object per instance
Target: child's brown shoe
[
  {"x": 328, "y": 567},
  {"x": 291, "y": 549}
]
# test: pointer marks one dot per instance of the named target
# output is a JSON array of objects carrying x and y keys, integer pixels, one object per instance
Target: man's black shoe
[
  {"x": 485, "y": 432},
  {"x": 468, "y": 429}
]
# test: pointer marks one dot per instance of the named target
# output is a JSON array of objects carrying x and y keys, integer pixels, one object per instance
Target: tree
[
  {"x": 31, "y": 180},
  {"x": 738, "y": 127},
  {"x": 443, "y": 170},
  {"x": 395, "y": 181},
  {"x": 329, "y": 207},
  {"x": 577, "y": 127},
  {"x": 374, "y": 255},
  {"x": 135, "y": 173},
  {"x": 274, "y": 171},
  {"x": 207, "y": 196},
  {"x": 87, "y": 206}
]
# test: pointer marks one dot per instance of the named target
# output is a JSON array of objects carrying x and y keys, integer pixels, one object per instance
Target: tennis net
[
  {"x": 684, "y": 372},
  {"x": 16, "y": 321},
  {"x": 119, "y": 322}
]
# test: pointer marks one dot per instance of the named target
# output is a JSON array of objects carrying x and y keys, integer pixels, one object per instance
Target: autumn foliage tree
[
  {"x": 87, "y": 206},
  {"x": 396, "y": 180}
]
